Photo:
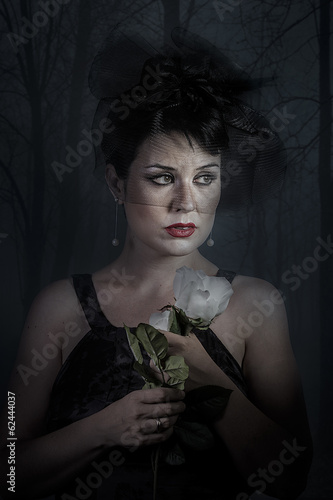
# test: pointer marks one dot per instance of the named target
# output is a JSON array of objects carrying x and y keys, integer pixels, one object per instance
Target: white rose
[
  {"x": 160, "y": 320},
  {"x": 199, "y": 295}
]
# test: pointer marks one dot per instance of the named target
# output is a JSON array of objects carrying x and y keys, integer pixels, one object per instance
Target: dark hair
[
  {"x": 203, "y": 126},
  {"x": 196, "y": 94},
  {"x": 182, "y": 101}
]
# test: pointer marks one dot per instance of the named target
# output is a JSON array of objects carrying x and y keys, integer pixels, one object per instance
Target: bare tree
[
  {"x": 30, "y": 75},
  {"x": 326, "y": 219},
  {"x": 171, "y": 17},
  {"x": 68, "y": 219}
]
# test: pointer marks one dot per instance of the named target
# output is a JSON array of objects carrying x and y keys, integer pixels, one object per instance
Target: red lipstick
[{"x": 181, "y": 230}]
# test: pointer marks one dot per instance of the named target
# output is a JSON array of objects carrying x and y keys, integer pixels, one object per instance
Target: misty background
[{"x": 56, "y": 222}]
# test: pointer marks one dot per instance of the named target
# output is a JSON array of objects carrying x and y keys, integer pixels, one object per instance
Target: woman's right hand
[{"x": 142, "y": 418}]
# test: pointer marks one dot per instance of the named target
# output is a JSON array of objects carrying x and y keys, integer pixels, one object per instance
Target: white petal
[
  {"x": 216, "y": 286},
  {"x": 183, "y": 276},
  {"x": 160, "y": 320},
  {"x": 196, "y": 305},
  {"x": 207, "y": 310},
  {"x": 200, "y": 278},
  {"x": 199, "y": 295},
  {"x": 225, "y": 300},
  {"x": 185, "y": 296}
]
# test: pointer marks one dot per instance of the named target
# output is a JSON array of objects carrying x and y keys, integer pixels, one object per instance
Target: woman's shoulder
[
  {"x": 249, "y": 289},
  {"x": 256, "y": 304},
  {"x": 56, "y": 297},
  {"x": 254, "y": 321},
  {"x": 56, "y": 290},
  {"x": 56, "y": 311}
]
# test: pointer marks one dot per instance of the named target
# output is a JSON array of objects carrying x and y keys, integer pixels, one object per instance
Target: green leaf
[
  {"x": 176, "y": 368},
  {"x": 134, "y": 345},
  {"x": 206, "y": 403},
  {"x": 145, "y": 372},
  {"x": 152, "y": 385},
  {"x": 200, "y": 323},
  {"x": 154, "y": 342},
  {"x": 175, "y": 327},
  {"x": 182, "y": 319},
  {"x": 174, "y": 383},
  {"x": 203, "y": 328},
  {"x": 194, "y": 435}
]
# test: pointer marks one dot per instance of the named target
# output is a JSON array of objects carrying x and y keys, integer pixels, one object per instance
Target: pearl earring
[
  {"x": 210, "y": 241},
  {"x": 115, "y": 241}
]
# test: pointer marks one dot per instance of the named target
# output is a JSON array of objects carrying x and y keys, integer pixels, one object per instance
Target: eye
[
  {"x": 162, "y": 179},
  {"x": 205, "y": 179}
]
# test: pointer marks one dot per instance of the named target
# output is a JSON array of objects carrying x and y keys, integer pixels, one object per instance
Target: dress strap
[
  {"x": 86, "y": 293},
  {"x": 229, "y": 275}
]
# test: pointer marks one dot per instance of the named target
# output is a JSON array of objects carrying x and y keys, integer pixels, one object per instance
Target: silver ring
[{"x": 158, "y": 424}]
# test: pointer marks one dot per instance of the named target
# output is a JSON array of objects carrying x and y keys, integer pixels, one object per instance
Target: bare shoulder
[
  {"x": 56, "y": 305},
  {"x": 262, "y": 323},
  {"x": 56, "y": 316},
  {"x": 54, "y": 323},
  {"x": 54, "y": 320},
  {"x": 253, "y": 307},
  {"x": 257, "y": 303},
  {"x": 248, "y": 288},
  {"x": 269, "y": 364},
  {"x": 59, "y": 294}
]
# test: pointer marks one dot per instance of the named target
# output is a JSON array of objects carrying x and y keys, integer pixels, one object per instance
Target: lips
[{"x": 181, "y": 230}]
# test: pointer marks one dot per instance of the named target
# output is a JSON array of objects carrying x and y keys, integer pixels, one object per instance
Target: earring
[
  {"x": 210, "y": 241},
  {"x": 115, "y": 241}
]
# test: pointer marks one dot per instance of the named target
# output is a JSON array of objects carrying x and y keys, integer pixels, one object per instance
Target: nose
[{"x": 183, "y": 200}]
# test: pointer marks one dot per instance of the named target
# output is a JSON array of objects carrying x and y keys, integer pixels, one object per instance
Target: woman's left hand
[{"x": 202, "y": 369}]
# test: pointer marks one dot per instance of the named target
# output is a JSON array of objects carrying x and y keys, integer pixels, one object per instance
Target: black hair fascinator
[{"x": 134, "y": 81}]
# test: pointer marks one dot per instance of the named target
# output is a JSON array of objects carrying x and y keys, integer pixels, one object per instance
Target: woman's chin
[
  {"x": 180, "y": 247},
  {"x": 166, "y": 246}
]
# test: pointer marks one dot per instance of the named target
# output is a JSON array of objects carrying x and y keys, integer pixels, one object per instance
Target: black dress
[{"x": 100, "y": 371}]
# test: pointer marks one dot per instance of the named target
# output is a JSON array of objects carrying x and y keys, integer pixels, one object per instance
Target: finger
[
  {"x": 155, "y": 425},
  {"x": 161, "y": 395},
  {"x": 151, "y": 425},
  {"x": 154, "y": 368},
  {"x": 167, "y": 422},
  {"x": 158, "y": 437},
  {"x": 167, "y": 409}
]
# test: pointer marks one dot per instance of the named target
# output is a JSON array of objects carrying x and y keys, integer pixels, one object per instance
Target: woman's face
[{"x": 171, "y": 194}]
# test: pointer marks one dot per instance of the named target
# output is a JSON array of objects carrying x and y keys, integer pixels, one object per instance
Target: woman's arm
[
  {"x": 46, "y": 461},
  {"x": 266, "y": 434}
]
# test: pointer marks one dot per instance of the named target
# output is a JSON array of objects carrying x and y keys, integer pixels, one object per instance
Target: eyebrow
[{"x": 164, "y": 167}]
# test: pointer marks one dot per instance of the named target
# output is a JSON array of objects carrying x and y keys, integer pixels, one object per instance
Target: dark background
[{"x": 52, "y": 226}]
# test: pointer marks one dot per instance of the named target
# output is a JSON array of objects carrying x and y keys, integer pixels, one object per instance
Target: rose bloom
[{"x": 198, "y": 295}]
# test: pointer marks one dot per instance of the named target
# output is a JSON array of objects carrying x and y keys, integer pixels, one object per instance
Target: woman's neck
[{"x": 148, "y": 267}]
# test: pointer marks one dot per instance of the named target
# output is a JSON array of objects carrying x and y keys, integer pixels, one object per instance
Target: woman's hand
[
  {"x": 203, "y": 370},
  {"x": 142, "y": 418}
]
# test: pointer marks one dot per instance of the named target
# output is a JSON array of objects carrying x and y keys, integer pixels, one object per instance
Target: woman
[{"x": 84, "y": 425}]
